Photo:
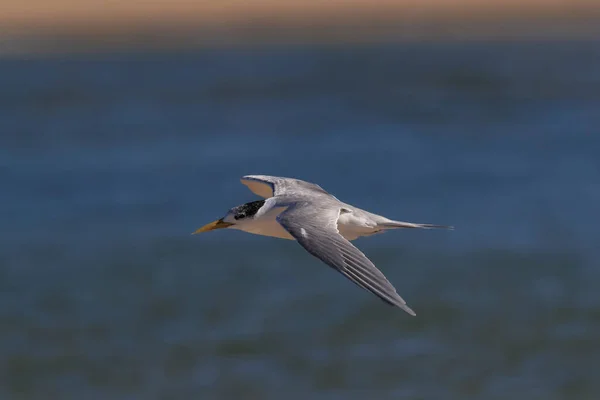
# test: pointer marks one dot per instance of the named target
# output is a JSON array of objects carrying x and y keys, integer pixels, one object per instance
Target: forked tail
[{"x": 400, "y": 224}]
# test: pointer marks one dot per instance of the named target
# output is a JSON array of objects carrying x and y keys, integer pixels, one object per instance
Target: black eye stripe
[{"x": 247, "y": 210}]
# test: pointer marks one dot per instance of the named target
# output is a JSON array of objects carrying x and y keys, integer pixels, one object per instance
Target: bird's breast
[{"x": 266, "y": 225}]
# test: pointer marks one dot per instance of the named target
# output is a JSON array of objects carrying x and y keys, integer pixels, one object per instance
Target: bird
[{"x": 325, "y": 226}]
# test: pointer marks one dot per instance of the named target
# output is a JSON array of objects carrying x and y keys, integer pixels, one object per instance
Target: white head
[{"x": 235, "y": 217}]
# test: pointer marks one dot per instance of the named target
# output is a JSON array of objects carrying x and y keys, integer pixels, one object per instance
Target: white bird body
[
  {"x": 352, "y": 223},
  {"x": 297, "y": 210}
]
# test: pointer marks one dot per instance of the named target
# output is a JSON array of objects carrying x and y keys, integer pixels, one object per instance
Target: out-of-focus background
[{"x": 124, "y": 126}]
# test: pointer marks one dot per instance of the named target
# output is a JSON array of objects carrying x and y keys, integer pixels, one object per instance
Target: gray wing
[
  {"x": 270, "y": 186},
  {"x": 316, "y": 230}
]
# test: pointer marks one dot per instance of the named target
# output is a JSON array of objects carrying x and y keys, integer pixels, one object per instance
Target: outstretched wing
[
  {"x": 270, "y": 186},
  {"x": 316, "y": 230}
]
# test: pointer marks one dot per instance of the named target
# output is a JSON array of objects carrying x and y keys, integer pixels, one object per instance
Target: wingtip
[{"x": 408, "y": 310}]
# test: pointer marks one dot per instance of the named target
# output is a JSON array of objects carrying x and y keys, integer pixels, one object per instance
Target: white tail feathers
[{"x": 400, "y": 224}]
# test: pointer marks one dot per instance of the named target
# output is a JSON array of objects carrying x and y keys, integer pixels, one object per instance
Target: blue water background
[{"x": 108, "y": 162}]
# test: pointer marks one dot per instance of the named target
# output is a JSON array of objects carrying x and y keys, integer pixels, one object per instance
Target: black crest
[{"x": 247, "y": 210}]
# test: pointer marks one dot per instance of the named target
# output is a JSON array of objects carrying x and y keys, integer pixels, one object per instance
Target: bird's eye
[{"x": 239, "y": 216}]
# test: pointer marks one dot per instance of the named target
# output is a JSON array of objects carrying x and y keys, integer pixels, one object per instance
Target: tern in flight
[{"x": 323, "y": 225}]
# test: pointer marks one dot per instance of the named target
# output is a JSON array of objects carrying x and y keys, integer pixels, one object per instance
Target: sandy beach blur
[{"x": 87, "y": 25}]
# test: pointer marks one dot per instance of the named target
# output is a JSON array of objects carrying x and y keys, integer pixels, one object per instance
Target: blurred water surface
[{"x": 108, "y": 162}]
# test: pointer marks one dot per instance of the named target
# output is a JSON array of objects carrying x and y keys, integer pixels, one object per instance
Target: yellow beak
[{"x": 218, "y": 224}]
